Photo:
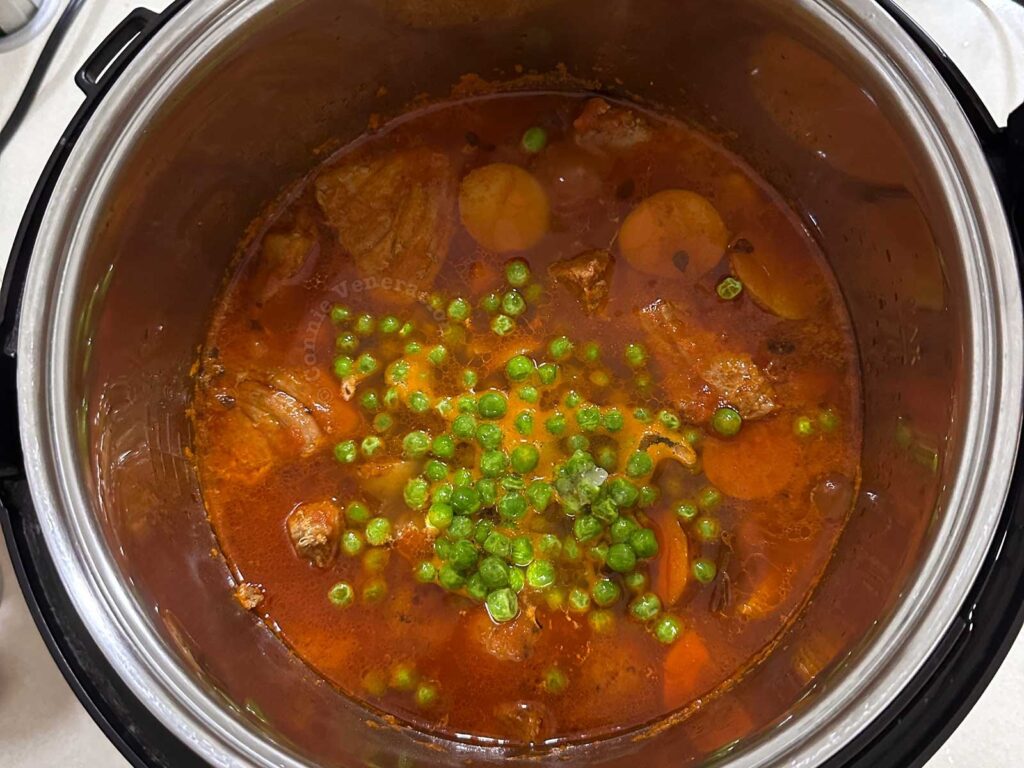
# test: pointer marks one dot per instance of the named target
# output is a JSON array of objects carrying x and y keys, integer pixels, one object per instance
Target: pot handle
[
  {"x": 1003, "y": 147},
  {"x": 116, "y": 50}
]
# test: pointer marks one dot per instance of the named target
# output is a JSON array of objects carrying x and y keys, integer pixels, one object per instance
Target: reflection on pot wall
[{"x": 307, "y": 77}]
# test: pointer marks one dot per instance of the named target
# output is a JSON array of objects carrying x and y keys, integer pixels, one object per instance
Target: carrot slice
[
  {"x": 672, "y": 566},
  {"x": 688, "y": 671},
  {"x": 673, "y": 233},
  {"x": 756, "y": 464},
  {"x": 503, "y": 207}
]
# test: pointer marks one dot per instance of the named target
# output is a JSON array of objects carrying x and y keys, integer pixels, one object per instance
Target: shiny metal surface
[{"x": 226, "y": 107}]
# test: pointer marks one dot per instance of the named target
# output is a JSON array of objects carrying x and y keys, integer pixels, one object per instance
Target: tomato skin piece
[{"x": 504, "y": 208}]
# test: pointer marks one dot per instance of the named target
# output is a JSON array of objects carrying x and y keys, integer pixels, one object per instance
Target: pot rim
[{"x": 123, "y": 631}]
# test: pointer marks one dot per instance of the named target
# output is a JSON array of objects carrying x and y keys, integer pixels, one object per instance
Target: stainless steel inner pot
[{"x": 829, "y": 100}]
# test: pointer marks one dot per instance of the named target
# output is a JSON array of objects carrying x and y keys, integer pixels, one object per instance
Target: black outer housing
[{"x": 905, "y": 735}]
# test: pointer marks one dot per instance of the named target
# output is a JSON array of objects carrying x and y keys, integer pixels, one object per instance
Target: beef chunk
[
  {"x": 698, "y": 365},
  {"x": 313, "y": 529},
  {"x": 602, "y": 126},
  {"x": 587, "y": 275},
  {"x": 393, "y": 213}
]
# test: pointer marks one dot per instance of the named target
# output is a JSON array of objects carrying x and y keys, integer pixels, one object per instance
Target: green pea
[
  {"x": 443, "y": 548},
  {"x": 415, "y": 493},
  {"x": 397, "y": 372},
  {"x": 371, "y": 445},
  {"x": 464, "y": 426},
  {"x": 605, "y": 592},
  {"x": 390, "y": 324},
  {"x": 443, "y": 446},
  {"x": 728, "y": 288},
  {"x": 378, "y": 531},
  {"x": 556, "y": 424},
  {"x": 458, "y": 310},
  {"x": 465, "y": 500},
  {"x": 490, "y": 303},
  {"x": 492, "y": 405},
  {"x": 517, "y": 273},
  {"x": 503, "y": 325},
  {"x": 639, "y": 464},
  {"x": 382, "y": 422},
  {"x": 341, "y": 594},
  {"x": 642, "y": 415},
  {"x": 540, "y": 494},
  {"x": 589, "y": 418},
  {"x": 427, "y": 695},
  {"x": 406, "y": 330},
  {"x": 425, "y": 572},
  {"x": 463, "y": 555},
  {"x": 648, "y": 496},
  {"x": 622, "y": 529},
  {"x": 667, "y": 629},
  {"x": 416, "y": 444},
  {"x": 522, "y": 550},
  {"x": 623, "y": 492},
  {"x": 391, "y": 399},
  {"x": 708, "y": 528},
  {"x": 645, "y": 607},
  {"x": 586, "y": 527},
  {"x": 601, "y": 622},
  {"x": 376, "y": 560},
  {"x": 704, "y": 570},
  {"x": 727, "y": 422},
  {"x": 524, "y": 423},
  {"x": 440, "y": 515},
  {"x": 351, "y": 543},
  {"x": 524, "y": 458},
  {"x": 575, "y": 443},
  {"x": 442, "y": 493},
  {"x": 494, "y": 572},
  {"x": 463, "y": 476},
  {"x": 493, "y": 463},
  {"x": 364, "y": 325},
  {"x": 516, "y": 580},
  {"x": 828, "y": 420},
  {"x": 357, "y": 513},
  {"x": 636, "y": 355},
  {"x": 612, "y": 420},
  {"x": 534, "y": 140},
  {"x": 621, "y": 558},
  {"x": 513, "y": 304},
  {"x": 449, "y": 578},
  {"x": 708, "y": 498},
  {"x": 512, "y": 506},
  {"x": 488, "y": 490},
  {"x": 604, "y": 509},
  {"x": 347, "y": 342},
  {"x": 461, "y": 527},
  {"x": 502, "y": 605},
  {"x": 529, "y": 394},
  {"x": 498, "y": 544},
  {"x": 344, "y": 366},
  {"x": 547, "y": 373},
  {"x": 340, "y": 314},
  {"x": 570, "y": 549},
  {"x": 438, "y": 354},
  {"x": 579, "y": 600},
  {"x": 686, "y": 510},
  {"x": 518, "y": 368},
  {"x": 540, "y": 574},
  {"x": 375, "y": 590},
  {"x": 635, "y": 581},
  {"x": 560, "y": 348},
  {"x": 802, "y": 426},
  {"x": 469, "y": 378},
  {"x": 644, "y": 543},
  {"x": 419, "y": 402},
  {"x": 607, "y": 458},
  {"x": 669, "y": 419},
  {"x": 489, "y": 436},
  {"x": 555, "y": 681},
  {"x": 346, "y": 451},
  {"x": 413, "y": 348},
  {"x": 693, "y": 436}
]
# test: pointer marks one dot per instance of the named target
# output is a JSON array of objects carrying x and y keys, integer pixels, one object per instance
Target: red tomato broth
[{"x": 773, "y": 547}]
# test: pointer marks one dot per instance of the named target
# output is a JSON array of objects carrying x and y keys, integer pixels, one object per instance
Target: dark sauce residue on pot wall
[{"x": 529, "y": 417}]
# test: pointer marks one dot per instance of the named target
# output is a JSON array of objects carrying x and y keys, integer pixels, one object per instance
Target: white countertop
[{"x": 42, "y": 725}]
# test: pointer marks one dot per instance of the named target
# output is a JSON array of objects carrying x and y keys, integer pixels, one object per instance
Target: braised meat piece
[
  {"x": 249, "y": 596},
  {"x": 393, "y": 213},
  {"x": 313, "y": 529},
  {"x": 586, "y": 275},
  {"x": 602, "y": 126},
  {"x": 701, "y": 370}
]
